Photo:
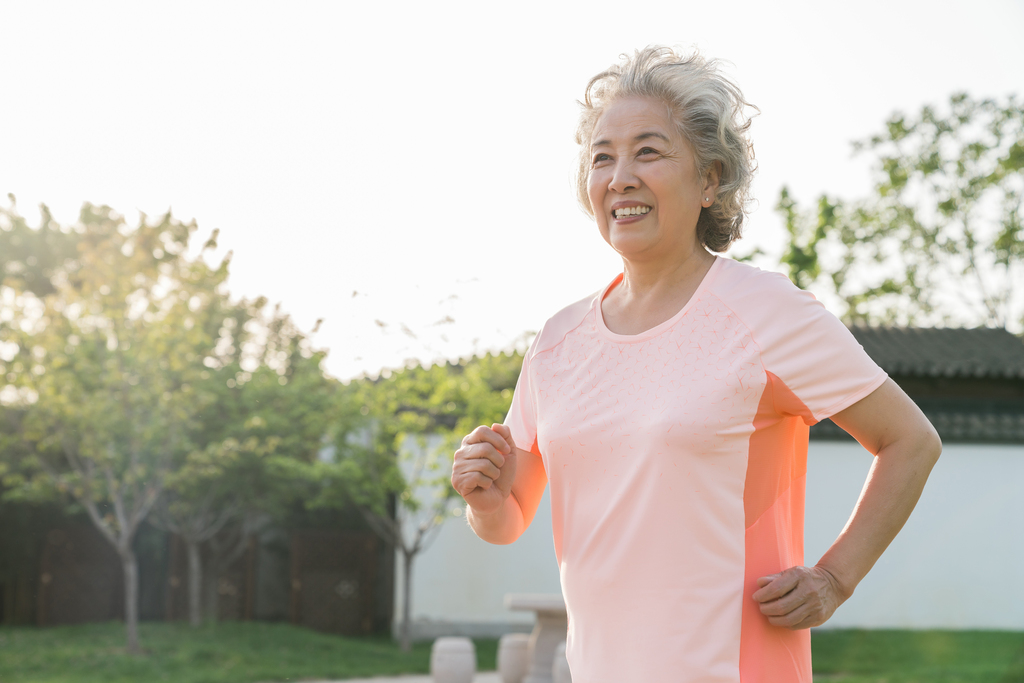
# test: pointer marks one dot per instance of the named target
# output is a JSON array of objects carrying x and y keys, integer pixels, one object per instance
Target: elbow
[
  {"x": 496, "y": 530},
  {"x": 497, "y": 539},
  {"x": 495, "y": 535},
  {"x": 937, "y": 447},
  {"x": 931, "y": 446},
  {"x": 505, "y": 540}
]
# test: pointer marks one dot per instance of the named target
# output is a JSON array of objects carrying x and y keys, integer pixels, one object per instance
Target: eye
[
  {"x": 647, "y": 150},
  {"x": 598, "y": 158}
]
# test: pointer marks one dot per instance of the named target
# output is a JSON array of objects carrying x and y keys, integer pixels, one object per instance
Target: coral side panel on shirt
[{"x": 773, "y": 500}]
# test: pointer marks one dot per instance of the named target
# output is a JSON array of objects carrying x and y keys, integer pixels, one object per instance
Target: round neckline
[{"x": 660, "y": 327}]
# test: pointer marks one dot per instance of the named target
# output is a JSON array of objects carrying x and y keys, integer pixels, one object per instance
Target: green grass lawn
[
  {"x": 254, "y": 652},
  {"x": 918, "y": 656},
  {"x": 229, "y": 652}
]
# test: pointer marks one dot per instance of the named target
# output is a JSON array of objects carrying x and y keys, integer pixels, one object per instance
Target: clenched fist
[
  {"x": 799, "y": 597},
  {"x": 485, "y": 467}
]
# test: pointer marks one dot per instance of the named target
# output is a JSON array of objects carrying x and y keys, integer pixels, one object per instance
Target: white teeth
[{"x": 632, "y": 211}]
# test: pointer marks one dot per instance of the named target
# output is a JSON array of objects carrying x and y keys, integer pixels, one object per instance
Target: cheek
[
  {"x": 594, "y": 185},
  {"x": 596, "y": 195},
  {"x": 597, "y": 207}
]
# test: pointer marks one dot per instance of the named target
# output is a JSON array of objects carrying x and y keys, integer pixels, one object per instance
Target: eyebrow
[{"x": 638, "y": 138}]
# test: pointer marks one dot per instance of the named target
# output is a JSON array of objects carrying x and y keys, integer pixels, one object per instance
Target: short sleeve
[
  {"x": 815, "y": 366},
  {"x": 522, "y": 415},
  {"x": 817, "y": 360}
]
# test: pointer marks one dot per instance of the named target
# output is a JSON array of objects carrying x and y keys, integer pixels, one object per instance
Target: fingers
[
  {"x": 505, "y": 433},
  {"x": 479, "y": 462},
  {"x": 802, "y": 617},
  {"x": 800, "y": 597},
  {"x": 469, "y": 482},
  {"x": 784, "y": 605},
  {"x": 501, "y": 442},
  {"x": 472, "y": 470},
  {"x": 483, "y": 466},
  {"x": 776, "y": 585},
  {"x": 481, "y": 451}
]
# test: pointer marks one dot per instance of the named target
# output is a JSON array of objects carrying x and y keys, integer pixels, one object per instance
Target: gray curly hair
[{"x": 709, "y": 111}]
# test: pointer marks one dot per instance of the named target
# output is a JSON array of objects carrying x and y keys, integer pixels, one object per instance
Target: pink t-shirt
[{"x": 677, "y": 461}]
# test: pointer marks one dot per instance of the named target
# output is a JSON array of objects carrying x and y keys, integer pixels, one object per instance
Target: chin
[{"x": 631, "y": 248}]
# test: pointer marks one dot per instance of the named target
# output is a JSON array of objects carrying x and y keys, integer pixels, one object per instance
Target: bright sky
[{"x": 402, "y": 170}]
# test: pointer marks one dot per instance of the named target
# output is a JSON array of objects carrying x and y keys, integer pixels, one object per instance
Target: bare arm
[
  {"x": 890, "y": 426},
  {"x": 501, "y": 484}
]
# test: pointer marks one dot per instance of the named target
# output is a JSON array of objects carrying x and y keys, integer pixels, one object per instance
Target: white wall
[
  {"x": 460, "y": 581},
  {"x": 958, "y": 563},
  {"x": 959, "y": 560}
]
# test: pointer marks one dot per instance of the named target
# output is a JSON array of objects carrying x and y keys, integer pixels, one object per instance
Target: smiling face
[{"x": 643, "y": 183}]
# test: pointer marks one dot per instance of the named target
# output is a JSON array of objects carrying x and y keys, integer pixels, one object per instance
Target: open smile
[{"x": 628, "y": 211}]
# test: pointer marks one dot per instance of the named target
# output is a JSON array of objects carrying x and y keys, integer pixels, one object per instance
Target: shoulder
[
  {"x": 744, "y": 284},
  {"x": 778, "y": 314},
  {"x": 819, "y": 366},
  {"x": 786, "y": 322},
  {"x": 564, "y": 322},
  {"x": 763, "y": 298}
]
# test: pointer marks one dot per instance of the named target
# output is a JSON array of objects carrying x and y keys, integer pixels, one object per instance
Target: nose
[{"x": 623, "y": 179}]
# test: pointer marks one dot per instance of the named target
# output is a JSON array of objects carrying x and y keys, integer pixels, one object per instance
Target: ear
[{"x": 711, "y": 181}]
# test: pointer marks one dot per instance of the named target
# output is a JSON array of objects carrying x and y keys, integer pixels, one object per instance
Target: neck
[
  {"x": 650, "y": 293},
  {"x": 651, "y": 278}
]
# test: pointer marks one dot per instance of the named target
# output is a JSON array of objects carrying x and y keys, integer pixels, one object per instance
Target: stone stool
[
  {"x": 549, "y": 631},
  {"x": 513, "y": 657},
  {"x": 453, "y": 660},
  {"x": 560, "y": 667}
]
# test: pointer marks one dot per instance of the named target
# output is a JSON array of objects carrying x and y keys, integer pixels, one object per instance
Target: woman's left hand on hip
[{"x": 799, "y": 597}]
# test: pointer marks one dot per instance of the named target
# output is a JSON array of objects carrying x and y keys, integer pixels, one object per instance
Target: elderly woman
[{"x": 669, "y": 412}]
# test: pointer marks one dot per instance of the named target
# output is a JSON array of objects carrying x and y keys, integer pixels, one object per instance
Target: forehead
[{"x": 626, "y": 118}]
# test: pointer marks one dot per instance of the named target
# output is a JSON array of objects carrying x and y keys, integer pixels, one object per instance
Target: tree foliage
[
  {"x": 102, "y": 366},
  {"x": 268, "y": 410},
  {"x": 29, "y": 257},
  {"x": 130, "y": 381},
  {"x": 940, "y": 239}
]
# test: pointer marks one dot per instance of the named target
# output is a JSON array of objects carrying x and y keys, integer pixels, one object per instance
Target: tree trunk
[
  {"x": 406, "y": 642},
  {"x": 210, "y": 596},
  {"x": 130, "y": 565},
  {"x": 226, "y": 546},
  {"x": 195, "y": 583}
]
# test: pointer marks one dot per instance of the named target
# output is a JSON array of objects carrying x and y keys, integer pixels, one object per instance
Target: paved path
[{"x": 481, "y": 677}]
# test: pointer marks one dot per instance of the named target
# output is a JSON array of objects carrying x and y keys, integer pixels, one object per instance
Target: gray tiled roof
[
  {"x": 985, "y": 427},
  {"x": 952, "y": 427},
  {"x": 944, "y": 352},
  {"x": 990, "y": 355}
]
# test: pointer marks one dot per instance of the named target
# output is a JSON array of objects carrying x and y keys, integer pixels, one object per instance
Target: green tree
[
  {"x": 29, "y": 257},
  {"x": 394, "y": 440},
  {"x": 268, "y": 409},
  {"x": 100, "y": 370},
  {"x": 204, "y": 495},
  {"x": 940, "y": 239}
]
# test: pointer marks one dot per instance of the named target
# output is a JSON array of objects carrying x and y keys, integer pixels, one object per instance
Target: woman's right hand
[{"x": 485, "y": 467}]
